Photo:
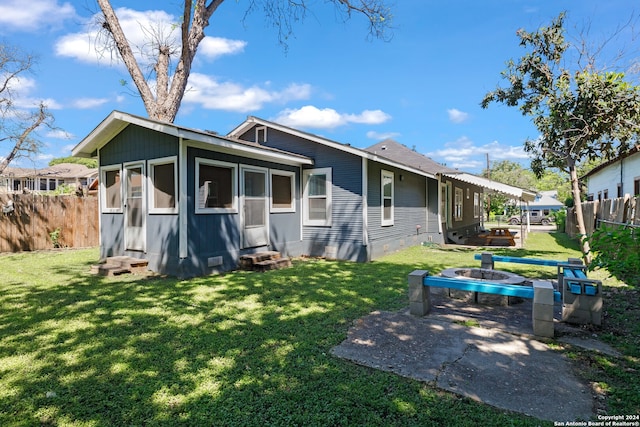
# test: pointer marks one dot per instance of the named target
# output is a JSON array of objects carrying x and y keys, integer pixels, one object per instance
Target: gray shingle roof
[{"x": 397, "y": 152}]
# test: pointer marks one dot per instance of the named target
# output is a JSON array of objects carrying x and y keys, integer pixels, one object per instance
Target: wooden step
[
  {"x": 264, "y": 261},
  {"x": 115, "y": 266}
]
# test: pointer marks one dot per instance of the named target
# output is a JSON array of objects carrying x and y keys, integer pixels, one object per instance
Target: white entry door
[
  {"x": 255, "y": 227},
  {"x": 134, "y": 207}
]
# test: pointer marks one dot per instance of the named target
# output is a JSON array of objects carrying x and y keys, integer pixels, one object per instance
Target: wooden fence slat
[
  {"x": 623, "y": 210},
  {"x": 28, "y": 228}
]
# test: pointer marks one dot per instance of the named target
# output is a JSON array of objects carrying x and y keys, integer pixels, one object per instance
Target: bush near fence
[
  {"x": 620, "y": 211},
  {"x": 36, "y": 218}
]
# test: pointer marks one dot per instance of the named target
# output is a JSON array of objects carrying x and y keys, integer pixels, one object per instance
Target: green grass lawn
[{"x": 246, "y": 348}]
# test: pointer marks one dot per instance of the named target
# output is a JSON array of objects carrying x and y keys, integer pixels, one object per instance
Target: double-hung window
[
  {"x": 387, "y": 196},
  {"x": 457, "y": 207},
  {"x": 317, "y": 197},
  {"x": 216, "y": 186}
]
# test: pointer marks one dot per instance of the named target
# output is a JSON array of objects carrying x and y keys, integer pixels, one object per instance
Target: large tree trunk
[{"x": 577, "y": 203}]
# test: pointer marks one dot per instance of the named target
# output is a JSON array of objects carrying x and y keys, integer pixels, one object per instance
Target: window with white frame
[
  {"x": 111, "y": 189},
  {"x": 476, "y": 205},
  {"x": 282, "y": 191},
  {"x": 457, "y": 207},
  {"x": 216, "y": 186},
  {"x": 387, "y": 197},
  {"x": 163, "y": 185},
  {"x": 317, "y": 197}
]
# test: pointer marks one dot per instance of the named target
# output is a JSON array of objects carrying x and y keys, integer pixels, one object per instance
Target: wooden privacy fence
[
  {"x": 620, "y": 211},
  {"x": 31, "y": 223}
]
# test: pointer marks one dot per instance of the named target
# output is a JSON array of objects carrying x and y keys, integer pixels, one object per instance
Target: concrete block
[
  {"x": 419, "y": 295},
  {"x": 573, "y": 315},
  {"x": 543, "y": 328},
  {"x": 486, "y": 260},
  {"x": 542, "y": 292},
  {"x": 543, "y": 312}
]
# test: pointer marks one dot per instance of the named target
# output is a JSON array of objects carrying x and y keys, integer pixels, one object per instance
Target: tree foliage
[
  {"x": 18, "y": 126},
  {"x": 90, "y": 163},
  {"x": 172, "y": 57},
  {"x": 580, "y": 112}
]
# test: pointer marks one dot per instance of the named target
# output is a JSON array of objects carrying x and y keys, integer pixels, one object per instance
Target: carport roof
[{"x": 497, "y": 187}]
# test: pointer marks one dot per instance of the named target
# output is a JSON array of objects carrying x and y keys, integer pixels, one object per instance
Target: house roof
[
  {"x": 117, "y": 121},
  {"x": 603, "y": 165},
  {"x": 546, "y": 200},
  {"x": 60, "y": 171},
  {"x": 395, "y": 151},
  {"x": 498, "y": 187},
  {"x": 252, "y": 121}
]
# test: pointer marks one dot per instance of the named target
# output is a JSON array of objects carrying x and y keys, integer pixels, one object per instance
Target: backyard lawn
[{"x": 249, "y": 348}]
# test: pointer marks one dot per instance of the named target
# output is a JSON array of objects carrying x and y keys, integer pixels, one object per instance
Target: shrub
[{"x": 618, "y": 250}]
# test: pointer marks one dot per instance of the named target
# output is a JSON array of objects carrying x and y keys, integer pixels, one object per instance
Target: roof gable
[{"x": 252, "y": 121}]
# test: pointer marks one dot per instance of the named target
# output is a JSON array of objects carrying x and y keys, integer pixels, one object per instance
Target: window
[
  {"x": 636, "y": 187},
  {"x": 457, "y": 208},
  {"x": 261, "y": 134},
  {"x": 317, "y": 197},
  {"x": 605, "y": 194},
  {"x": 476, "y": 205},
  {"x": 387, "y": 197},
  {"x": 216, "y": 190},
  {"x": 282, "y": 191},
  {"x": 111, "y": 189},
  {"x": 163, "y": 184}
]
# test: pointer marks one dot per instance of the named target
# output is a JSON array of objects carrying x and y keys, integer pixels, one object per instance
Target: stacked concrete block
[
  {"x": 419, "y": 295},
  {"x": 581, "y": 308},
  {"x": 542, "y": 315}
]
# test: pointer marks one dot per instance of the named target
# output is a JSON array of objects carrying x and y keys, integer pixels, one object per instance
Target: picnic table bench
[{"x": 500, "y": 234}]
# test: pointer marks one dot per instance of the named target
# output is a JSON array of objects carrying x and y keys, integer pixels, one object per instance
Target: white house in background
[
  {"x": 546, "y": 202},
  {"x": 615, "y": 178},
  {"x": 18, "y": 180}
]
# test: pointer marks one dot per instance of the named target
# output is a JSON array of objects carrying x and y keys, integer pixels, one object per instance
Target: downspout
[
  {"x": 365, "y": 207},
  {"x": 183, "y": 247}
]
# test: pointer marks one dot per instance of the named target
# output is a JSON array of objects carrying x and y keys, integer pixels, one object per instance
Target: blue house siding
[
  {"x": 214, "y": 235},
  {"x": 345, "y": 235},
  {"x": 410, "y": 225},
  {"x": 138, "y": 144}
]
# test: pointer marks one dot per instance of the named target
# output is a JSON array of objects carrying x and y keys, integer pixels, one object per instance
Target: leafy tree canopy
[{"x": 90, "y": 163}]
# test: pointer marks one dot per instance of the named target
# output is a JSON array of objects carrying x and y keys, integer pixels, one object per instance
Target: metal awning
[{"x": 493, "y": 186}]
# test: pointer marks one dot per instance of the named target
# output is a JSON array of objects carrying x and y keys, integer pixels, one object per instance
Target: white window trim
[
  {"x": 150, "y": 167},
  {"x": 458, "y": 208},
  {"x": 387, "y": 174},
  {"x": 291, "y": 175},
  {"x": 234, "y": 191},
  {"x": 261, "y": 130},
  {"x": 103, "y": 189},
  {"x": 306, "y": 174}
]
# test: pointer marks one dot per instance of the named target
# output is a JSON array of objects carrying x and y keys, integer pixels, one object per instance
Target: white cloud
[
  {"x": 59, "y": 134},
  {"x": 463, "y": 153},
  {"x": 379, "y": 136},
  {"x": 22, "y": 88},
  {"x": 457, "y": 116},
  {"x": 87, "y": 103},
  {"x": 212, "y": 94},
  {"x": 34, "y": 14},
  {"x": 327, "y": 118},
  {"x": 138, "y": 26}
]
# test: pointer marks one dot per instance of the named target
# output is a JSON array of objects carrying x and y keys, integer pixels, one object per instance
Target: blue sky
[{"x": 422, "y": 88}]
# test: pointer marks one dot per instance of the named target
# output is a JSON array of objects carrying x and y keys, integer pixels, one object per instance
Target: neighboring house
[
  {"x": 615, "y": 178},
  {"x": 18, "y": 180},
  {"x": 546, "y": 202}
]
